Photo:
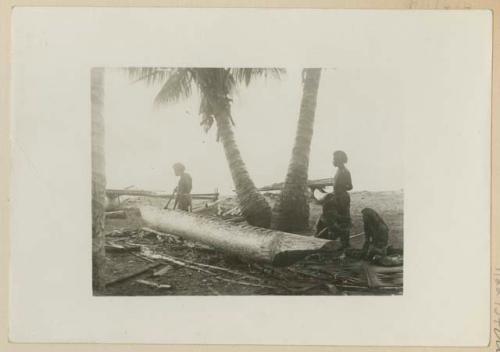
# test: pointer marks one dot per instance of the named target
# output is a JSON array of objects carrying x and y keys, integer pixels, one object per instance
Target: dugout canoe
[{"x": 252, "y": 243}]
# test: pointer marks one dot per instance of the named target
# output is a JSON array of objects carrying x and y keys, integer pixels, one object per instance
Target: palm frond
[
  {"x": 177, "y": 86},
  {"x": 149, "y": 75},
  {"x": 246, "y": 75}
]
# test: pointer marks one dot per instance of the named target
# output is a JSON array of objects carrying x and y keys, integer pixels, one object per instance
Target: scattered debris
[
  {"x": 234, "y": 272},
  {"x": 132, "y": 275},
  {"x": 196, "y": 268},
  {"x": 118, "y": 233},
  {"x": 116, "y": 248},
  {"x": 154, "y": 234},
  {"x": 143, "y": 258},
  {"x": 376, "y": 280},
  {"x": 176, "y": 261}
]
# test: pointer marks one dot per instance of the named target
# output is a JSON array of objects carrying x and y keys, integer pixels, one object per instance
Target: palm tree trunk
[
  {"x": 98, "y": 177},
  {"x": 293, "y": 206},
  {"x": 253, "y": 205}
]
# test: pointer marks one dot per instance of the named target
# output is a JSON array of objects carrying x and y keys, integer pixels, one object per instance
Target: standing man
[
  {"x": 183, "y": 189},
  {"x": 342, "y": 184}
]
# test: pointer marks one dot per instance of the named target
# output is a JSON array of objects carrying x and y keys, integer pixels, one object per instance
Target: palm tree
[
  {"x": 293, "y": 205},
  {"x": 98, "y": 177},
  {"x": 215, "y": 86}
]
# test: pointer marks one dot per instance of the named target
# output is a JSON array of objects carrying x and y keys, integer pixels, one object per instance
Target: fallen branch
[
  {"x": 153, "y": 284},
  {"x": 308, "y": 274},
  {"x": 224, "y": 270},
  {"x": 177, "y": 262},
  {"x": 143, "y": 258},
  {"x": 194, "y": 266}
]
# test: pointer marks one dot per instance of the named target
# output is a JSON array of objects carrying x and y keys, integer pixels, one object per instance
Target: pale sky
[{"x": 359, "y": 111}]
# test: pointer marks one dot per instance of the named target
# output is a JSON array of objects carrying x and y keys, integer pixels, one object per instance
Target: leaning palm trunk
[
  {"x": 254, "y": 206},
  {"x": 98, "y": 177},
  {"x": 216, "y": 85},
  {"x": 293, "y": 206}
]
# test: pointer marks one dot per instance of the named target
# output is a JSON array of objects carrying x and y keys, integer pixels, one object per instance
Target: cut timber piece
[{"x": 249, "y": 242}]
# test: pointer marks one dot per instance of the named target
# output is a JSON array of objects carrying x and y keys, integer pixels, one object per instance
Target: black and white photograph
[
  {"x": 251, "y": 176},
  {"x": 246, "y": 181}
]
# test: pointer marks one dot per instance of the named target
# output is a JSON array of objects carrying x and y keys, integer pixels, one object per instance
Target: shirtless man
[{"x": 183, "y": 189}]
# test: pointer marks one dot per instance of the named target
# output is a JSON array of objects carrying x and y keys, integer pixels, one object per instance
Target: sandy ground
[{"x": 214, "y": 273}]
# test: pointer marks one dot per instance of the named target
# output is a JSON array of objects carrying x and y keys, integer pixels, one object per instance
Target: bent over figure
[{"x": 376, "y": 234}]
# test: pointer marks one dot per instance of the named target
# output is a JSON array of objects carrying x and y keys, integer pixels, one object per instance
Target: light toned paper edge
[{"x": 5, "y": 21}]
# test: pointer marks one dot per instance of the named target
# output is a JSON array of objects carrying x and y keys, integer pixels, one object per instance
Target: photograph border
[{"x": 6, "y": 9}]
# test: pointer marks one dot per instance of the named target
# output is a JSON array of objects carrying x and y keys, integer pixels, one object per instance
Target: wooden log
[
  {"x": 313, "y": 184},
  {"x": 249, "y": 242},
  {"x": 113, "y": 193}
]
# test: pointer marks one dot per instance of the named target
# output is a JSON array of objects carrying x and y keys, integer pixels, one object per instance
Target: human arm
[{"x": 348, "y": 181}]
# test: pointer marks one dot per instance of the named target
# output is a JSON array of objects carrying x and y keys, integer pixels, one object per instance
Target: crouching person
[{"x": 376, "y": 235}]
